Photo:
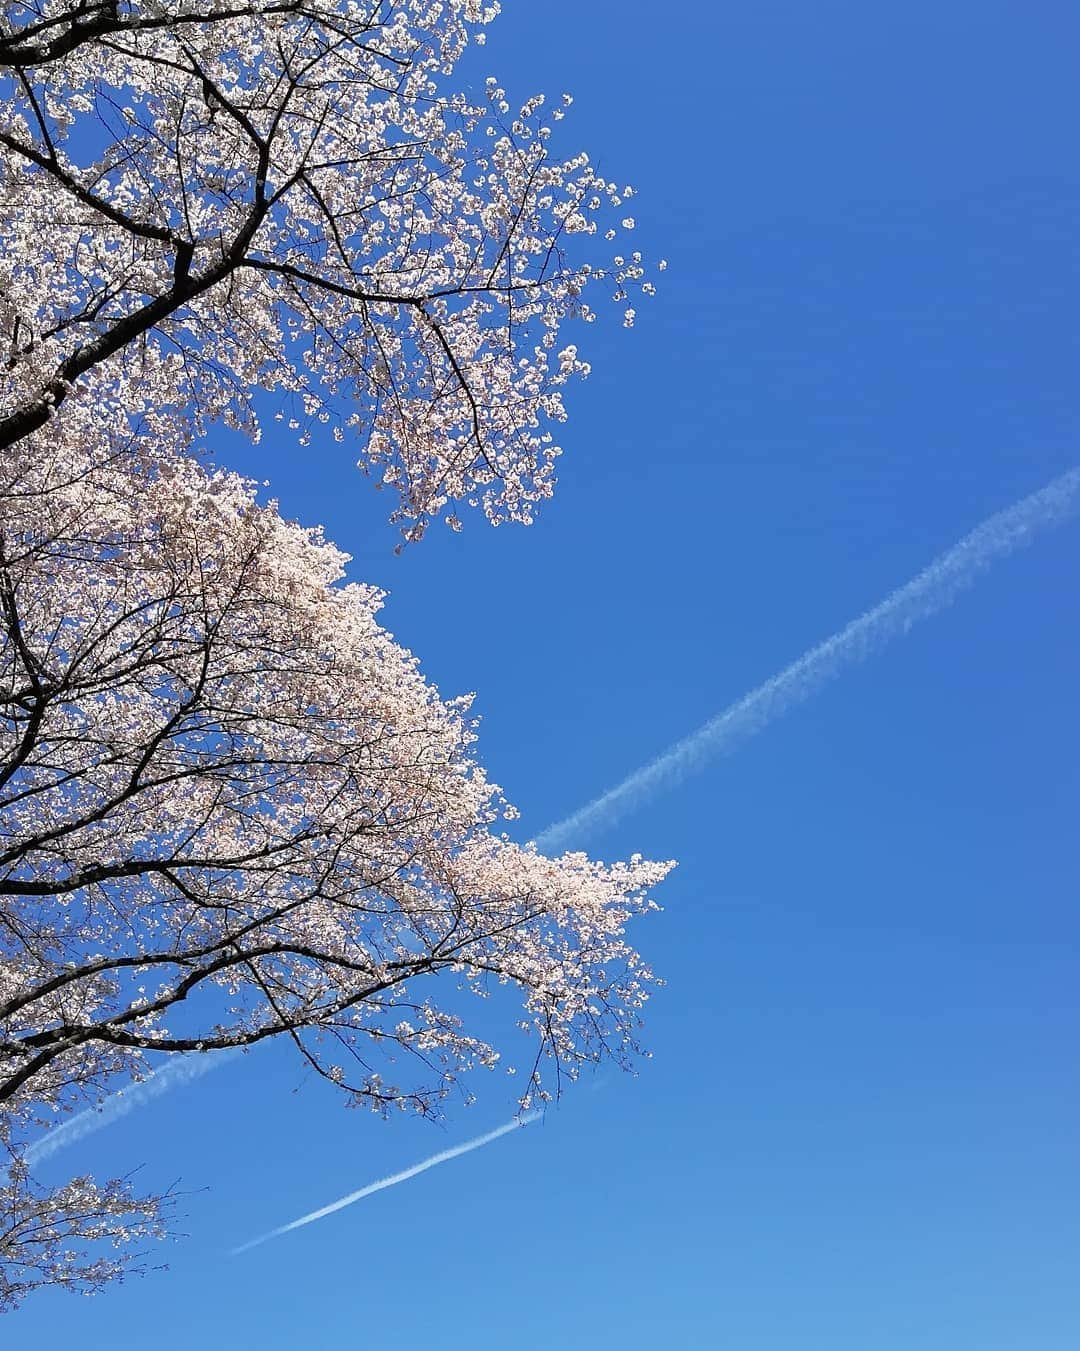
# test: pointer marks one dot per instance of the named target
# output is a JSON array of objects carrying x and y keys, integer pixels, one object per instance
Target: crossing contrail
[
  {"x": 932, "y": 590},
  {"x": 444, "y": 1156},
  {"x": 173, "y": 1074}
]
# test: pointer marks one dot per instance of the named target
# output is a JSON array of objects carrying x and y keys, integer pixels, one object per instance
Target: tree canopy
[
  {"x": 231, "y": 807},
  {"x": 198, "y": 201}
]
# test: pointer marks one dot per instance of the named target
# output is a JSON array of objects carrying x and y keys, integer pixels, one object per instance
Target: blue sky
[{"x": 859, "y": 1126}]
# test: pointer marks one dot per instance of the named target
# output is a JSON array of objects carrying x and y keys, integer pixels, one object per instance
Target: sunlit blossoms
[
  {"x": 78, "y": 1236},
  {"x": 231, "y": 807},
  {"x": 221, "y": 772},
  {"x": 200, "y": 199},
  {"x": 226, "y": 792}
]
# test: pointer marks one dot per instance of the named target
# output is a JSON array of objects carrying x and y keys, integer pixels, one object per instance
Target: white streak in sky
[
  {"x": 174, "y": 1074},
  {"x": 935, "y": 588},
  {"x": 392, "y": 1181},
  {"x": 931, "y": 591}
]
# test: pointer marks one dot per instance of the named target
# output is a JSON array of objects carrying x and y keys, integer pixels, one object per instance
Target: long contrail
[
  {"x": 392, "y": 1181},
  {"x": 171, "y": 1075},
  {"x": 931, "y": 591}
]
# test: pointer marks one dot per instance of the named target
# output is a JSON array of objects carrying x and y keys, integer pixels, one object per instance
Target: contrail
[
  {"x": 392, "y": 1181},
  {"x": 932, "y": 590},
  {"x": 173, "y": 1074},
  {"x": 935, "y": 588}
]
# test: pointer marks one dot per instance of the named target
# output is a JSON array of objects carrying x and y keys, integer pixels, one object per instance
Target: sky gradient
[{"x": 859, "y": 1125}]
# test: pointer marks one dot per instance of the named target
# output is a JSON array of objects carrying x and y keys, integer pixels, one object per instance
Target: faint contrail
[
  {"x": 444, "y": 1157},
  {"x": 932, "y": 590},
  {"x": 171, "y": 1075}
]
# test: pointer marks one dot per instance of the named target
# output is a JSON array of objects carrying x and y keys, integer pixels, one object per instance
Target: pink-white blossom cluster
[
  {"x": 77, "y": 1236},
  {"x": 219, "y": 770},
  {"x": 201, "y": 199},
  {"x": 231, "y": 807}
]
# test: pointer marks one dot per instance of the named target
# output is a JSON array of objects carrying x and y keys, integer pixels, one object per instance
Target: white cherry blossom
[
  {"x": 201, "y": 198},
  {"x": 231, "y": 807}
]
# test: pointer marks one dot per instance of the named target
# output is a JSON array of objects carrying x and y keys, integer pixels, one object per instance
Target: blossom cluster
[
  {"x": 203, "y": 200},
  {"x": 231, "y": 806}
]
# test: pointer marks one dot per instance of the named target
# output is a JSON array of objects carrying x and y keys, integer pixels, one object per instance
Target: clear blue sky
[{"x": 859, "y": 1129}]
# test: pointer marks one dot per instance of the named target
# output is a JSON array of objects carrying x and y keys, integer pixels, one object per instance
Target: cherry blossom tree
[
  {"x": 200, "y": 199},
  {"x": 77, "y": 1236},
  {"x": 231, "y": 808}
]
